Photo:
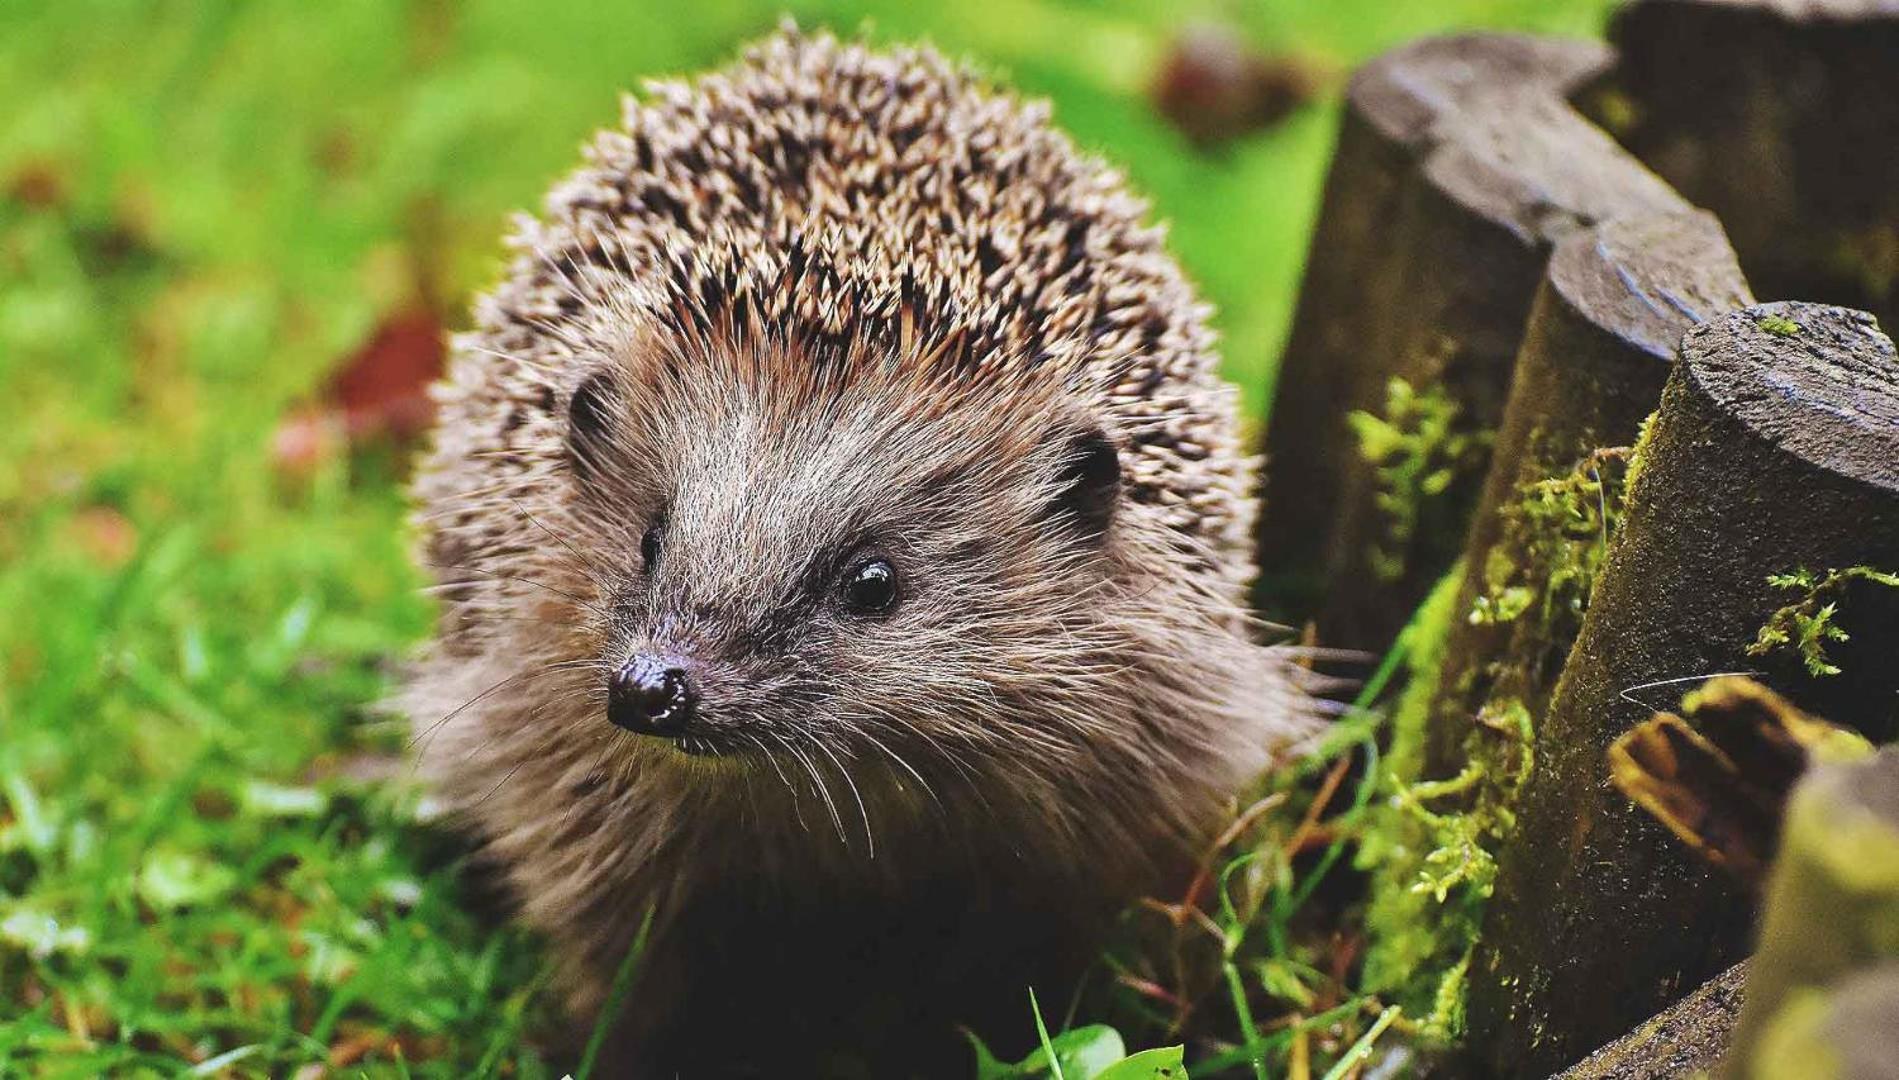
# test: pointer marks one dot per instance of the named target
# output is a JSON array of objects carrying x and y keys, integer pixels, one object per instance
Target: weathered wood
[
  {"x": 1833, "y": 898},
  {"x": 1781, "y": 116},
  {"x": 1686, "y": 1039},
  {"x": 1458, "y": 164},
  {"x": 1601, "y": 337},
  {"x": 1776, "y": 448}
]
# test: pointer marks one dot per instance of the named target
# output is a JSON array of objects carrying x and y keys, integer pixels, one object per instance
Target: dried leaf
[{"x": 1718, "y": 777}]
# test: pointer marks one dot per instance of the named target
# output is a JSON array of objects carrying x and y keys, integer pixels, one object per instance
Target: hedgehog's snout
[{"x": 652, "y": 694}]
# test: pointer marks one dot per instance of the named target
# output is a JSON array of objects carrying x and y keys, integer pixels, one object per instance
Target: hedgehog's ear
[
  {"x": 1087, "y": 484},
  {"x": 590, "y": 425}
]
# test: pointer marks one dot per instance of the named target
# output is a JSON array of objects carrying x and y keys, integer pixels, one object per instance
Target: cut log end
[
  {"x": 1648, "y": 278},
  {"x": 1821, "y": 382}
]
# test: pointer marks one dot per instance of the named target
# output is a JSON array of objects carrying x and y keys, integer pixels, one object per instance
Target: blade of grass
[
  {"x": 1235, "y": 936},
  {"x": 1235, "y": 1056},
  {"x": 616, "y": 997},
  {"x": 1041, "y": 1031},
  {"x": 1256, "y": 1053},
  {"x": 1366, "y": 736},
  {"x": 1362, "y": 1049},
  {"x": 1361, "y": 797}
]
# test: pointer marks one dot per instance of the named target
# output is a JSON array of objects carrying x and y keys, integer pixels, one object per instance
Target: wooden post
[
  {"x": 1459, "y": 162},
  {"x": 1782, "y": 118},
  {"x": 1772, "y": 469},
  {"x": 1832, "y": 905},
  {"x": 1689, "y": 1037},
  {"x": 1601, "y": 338}
]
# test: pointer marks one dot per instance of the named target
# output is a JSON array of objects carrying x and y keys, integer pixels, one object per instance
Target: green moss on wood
[
  {"x": 1432, "y": 850},
  {"x": 1418, "y": 948},
  {"x": 1809, "y": 624},
  {"x": 1418, "y": 448}
]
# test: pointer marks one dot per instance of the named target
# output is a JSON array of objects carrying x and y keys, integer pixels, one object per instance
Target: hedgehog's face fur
[
  {"x": 827, "y": 570},
  {"x": 843, "y": 428}
]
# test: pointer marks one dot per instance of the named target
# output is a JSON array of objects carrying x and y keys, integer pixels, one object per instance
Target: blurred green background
[{"x": 206, "y": 209}]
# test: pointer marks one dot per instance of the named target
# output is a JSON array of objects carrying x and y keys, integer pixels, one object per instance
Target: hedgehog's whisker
[
  {"x": 503, "y": 780},
  {"x": 429, "y": 732},
  {"x": 797, "y": 805},
  {"x": 824, "y": 792},
  {"x": 583, "y": 560},
  {"x": 898, "y": 759},
  {"x": 772, "y": 759},
  {"x": 870, "y": 839},
  {"x": 595, "y": 608}
]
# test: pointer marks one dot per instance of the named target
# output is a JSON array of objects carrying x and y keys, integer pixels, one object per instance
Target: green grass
[{"x": 207, "y": 857}]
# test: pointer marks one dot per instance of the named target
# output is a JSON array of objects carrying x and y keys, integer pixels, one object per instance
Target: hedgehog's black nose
[{"x": 650, "y": 696}]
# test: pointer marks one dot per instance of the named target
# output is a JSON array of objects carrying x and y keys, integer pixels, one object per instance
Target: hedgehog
[{"x": 841, "y": 535}]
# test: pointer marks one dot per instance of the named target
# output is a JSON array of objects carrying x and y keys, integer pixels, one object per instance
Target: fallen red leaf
[{"x": 380, "y": 393}]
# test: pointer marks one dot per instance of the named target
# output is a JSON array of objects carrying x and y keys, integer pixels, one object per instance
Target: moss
[
  {"x": 1417, "y": 447},
  {"x": 1424, "y": 645},
  {"x": 1432, "y": 850},
  {"x": 1644, "y": 438},
  {"x": 1778, "y": 325},
  {"x": 1809, "y": 624},
  {"x": 1554, "y": 541},
  {"x": 1409, "y": 929}
]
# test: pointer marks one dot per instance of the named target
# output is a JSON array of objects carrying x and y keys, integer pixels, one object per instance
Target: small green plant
[
  {"x": 1418, "y": 449},
  {"x": 1091, "y": 1052},
  {"x": 1809, "y": 624},
  {"x": 1555, "y": 538},
  {"x": 1778, "y": 325},
  {"x": 1432, "y": 849}
]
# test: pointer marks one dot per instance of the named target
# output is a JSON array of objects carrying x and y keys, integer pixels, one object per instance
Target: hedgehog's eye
[
  {"x": 650, "y": 543},
  {"x": 870, "y": 587}
]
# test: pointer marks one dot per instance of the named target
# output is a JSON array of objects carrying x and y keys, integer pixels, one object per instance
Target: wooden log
[
  {"x": 1776, "y": 448},
  {"x": 1601, "y": 338},
  {"x": 1689, "y": 1038},
  {"x": 1781, "y": 116},
  {"x": 1458, "y": 164},
  {"x": 1832, "y": 902}
]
